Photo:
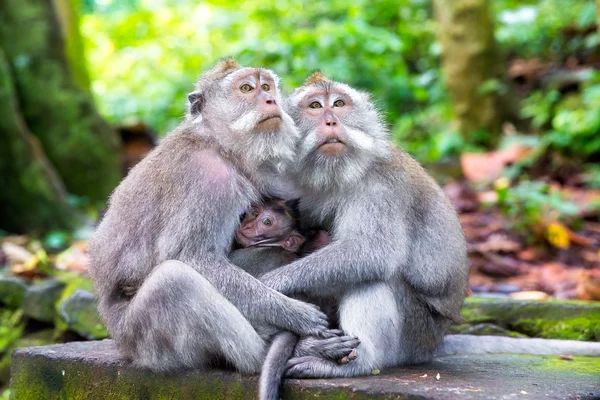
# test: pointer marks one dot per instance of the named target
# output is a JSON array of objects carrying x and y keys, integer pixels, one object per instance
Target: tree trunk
[
  {"x": 32, "y": 194},
  {"x": 80, "y": 144},
  {"x": 469, "y": 59}
]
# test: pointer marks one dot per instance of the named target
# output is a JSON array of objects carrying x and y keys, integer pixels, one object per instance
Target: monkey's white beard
[
  {"x": 245, "y": 123},
  {"x": 273, "y": 150},
  {"x": 317, "y": 171}
]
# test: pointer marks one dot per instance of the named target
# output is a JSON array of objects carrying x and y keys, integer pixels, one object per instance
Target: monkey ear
[
  {"x": 195, "y": 102},
  {"x": 293, "y": 242}
]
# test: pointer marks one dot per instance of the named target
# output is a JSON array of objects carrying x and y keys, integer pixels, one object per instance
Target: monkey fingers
[
  {"x": 341, "y": 349},
  {"x": 332, "y": 333},
  {"x": 308, "y": 319},
  {"x": 350, "y": 357},
  {"x": 306, "y": 367}
]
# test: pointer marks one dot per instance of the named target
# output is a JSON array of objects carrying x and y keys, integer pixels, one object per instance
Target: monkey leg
[
  {"x": 179, "y": 320},
  {"x": 369, "y": 312},
  {"x": 422, "y": 331}
]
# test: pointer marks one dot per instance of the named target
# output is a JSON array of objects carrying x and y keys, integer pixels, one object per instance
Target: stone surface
[
  {"x": 39, "y": 301},
  {"x": 576, "y": 320},
  {"x": 92, "y": 370},
  {"x": 80, "y": 312},
  {"x": 12, "y": 291}
]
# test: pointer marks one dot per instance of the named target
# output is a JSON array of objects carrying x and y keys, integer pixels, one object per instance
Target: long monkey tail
[{"x": 282, "y": 348}]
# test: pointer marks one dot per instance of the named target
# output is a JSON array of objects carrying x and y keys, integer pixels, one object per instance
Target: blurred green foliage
[{"x": 144, "y": 56}]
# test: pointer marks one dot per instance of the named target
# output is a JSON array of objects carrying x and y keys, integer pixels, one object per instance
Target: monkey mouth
[
  {"x": 270, "y": 117},
  {"x": 270, "y": 122},
  {"x": 258, "y": 241},
  {"x": 333, "y": 146}
]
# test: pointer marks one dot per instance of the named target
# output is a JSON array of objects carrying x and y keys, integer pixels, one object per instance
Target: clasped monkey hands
[{"x": 395, "y": 270}]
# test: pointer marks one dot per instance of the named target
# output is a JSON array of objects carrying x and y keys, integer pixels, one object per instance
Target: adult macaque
[
  {"x": 268, "y": 238},
  {"x": 397, "y": 261},
  {"x": 170, "y": 222}
]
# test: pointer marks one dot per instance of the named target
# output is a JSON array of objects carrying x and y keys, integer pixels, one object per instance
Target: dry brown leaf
[
  {"x": 497, "y": 242},
  {"x": 500, "y": 266},
  {"x": 588, "y": 284},
  {"x": 15, "y": 253},
  {"x": 484, "y": 168},
  {"x": 74, "y": 258}
]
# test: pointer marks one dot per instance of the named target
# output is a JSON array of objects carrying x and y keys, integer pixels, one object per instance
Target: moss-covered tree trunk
[
  {"x": 55, "y": 105},
  {"x": 33, "y": 195},
  {"x": 469, "y": 59}
]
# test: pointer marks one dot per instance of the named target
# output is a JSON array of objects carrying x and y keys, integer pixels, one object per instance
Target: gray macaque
[
  {"x": 397, "y": 261},
  {"x": 170, "y": 223},
  {"x": 268, "y": 237}
]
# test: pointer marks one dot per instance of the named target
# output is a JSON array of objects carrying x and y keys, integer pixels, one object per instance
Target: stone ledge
[{"x": 93, "y": 370}]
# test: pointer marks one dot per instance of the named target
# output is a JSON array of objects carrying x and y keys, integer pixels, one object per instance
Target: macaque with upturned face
[
  {"x": 165, "y": 235},
  {"x": 397, "y": 259}
]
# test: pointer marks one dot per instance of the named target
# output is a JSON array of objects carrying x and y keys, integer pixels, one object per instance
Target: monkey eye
[
  {"x": 315, "y": 104},
  {"x": 245, "y": 88},
  {"x": 267, "y": 221},
  {"x": 339, "y": 103},
  {"x": 254, "y": 213},
  {"x": 265, "y": 87}
]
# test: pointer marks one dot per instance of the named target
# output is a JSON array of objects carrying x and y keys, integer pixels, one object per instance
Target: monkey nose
[
  {"x": 268, "y": 98},
  {"x": 330, "y": 122}
]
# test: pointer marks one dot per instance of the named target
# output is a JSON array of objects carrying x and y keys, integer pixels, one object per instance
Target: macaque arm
[
  {"x": 338, "y": 265},
  {"x": 362, "y": 250},
  {"x": 267, "y": 306}
]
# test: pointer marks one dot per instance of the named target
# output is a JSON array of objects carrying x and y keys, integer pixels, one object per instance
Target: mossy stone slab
[{"x": 93, "y": 370}]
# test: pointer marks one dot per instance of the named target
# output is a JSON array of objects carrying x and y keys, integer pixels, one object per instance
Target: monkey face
[
  {"x": 256, "y": 90},
  {"x": 240, "y": 109},
  {"x": 341, "y": 132},
  {"x": 260, "y": 223},
  {"x": 269, "y": 225}
]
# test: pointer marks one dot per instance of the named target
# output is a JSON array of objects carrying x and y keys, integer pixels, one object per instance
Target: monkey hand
[{"x": 306, "y": 319}]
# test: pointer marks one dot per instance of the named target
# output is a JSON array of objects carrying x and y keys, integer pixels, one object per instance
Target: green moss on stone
[{"x": 577, "y": 320}]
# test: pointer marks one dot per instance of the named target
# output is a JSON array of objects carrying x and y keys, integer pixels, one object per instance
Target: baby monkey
[
  {"x": 268, "y": 238},
  {"x": 270, "y": 233}
]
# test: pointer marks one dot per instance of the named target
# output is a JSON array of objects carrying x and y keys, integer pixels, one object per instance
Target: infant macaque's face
[{"x": 269, "y": 225}]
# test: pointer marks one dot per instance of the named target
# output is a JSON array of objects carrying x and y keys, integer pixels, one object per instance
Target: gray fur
[
  {"x": 167, "y": 230},
  {"x": 397, "y": 261},
  {"x": 470, "y": 344},
  {"x": 274, "y": 367},
  {"x": 257, "y": 261}
]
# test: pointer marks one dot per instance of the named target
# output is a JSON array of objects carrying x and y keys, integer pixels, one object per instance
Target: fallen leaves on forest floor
[{"x": 559, "y": 261}]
